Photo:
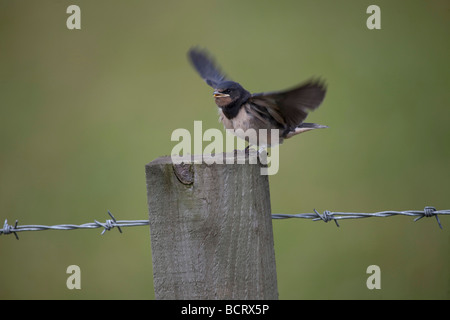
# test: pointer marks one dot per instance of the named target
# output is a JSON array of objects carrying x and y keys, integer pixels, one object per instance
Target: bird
[{"x": 239, "y": 109}]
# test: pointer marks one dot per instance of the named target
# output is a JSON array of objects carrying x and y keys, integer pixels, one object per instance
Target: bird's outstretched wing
[
  {"x": 206, "y": 67},
  {"x": 291, "y": 107}
]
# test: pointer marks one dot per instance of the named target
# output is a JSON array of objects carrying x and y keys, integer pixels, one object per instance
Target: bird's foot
[{"x": 263, "y": 149}]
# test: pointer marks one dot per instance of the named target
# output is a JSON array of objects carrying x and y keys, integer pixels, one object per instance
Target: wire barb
[
  {"x": 109, "y": 224},
  {"x": 429, "y": 212},
  {"x": 7, "y": 229},
  {"x": 326, "y": 216}
]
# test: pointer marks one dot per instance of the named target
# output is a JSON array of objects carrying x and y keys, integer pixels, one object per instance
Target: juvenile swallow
[{"x": 239, "y": 109}]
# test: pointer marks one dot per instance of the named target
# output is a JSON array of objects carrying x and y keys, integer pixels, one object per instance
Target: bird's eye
[{"x": 227, "y": 91}]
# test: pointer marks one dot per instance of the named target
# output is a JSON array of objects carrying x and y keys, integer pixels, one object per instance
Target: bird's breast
[
  {"x": 244, "y": 120},
  {"x": 241, "y": 121}
]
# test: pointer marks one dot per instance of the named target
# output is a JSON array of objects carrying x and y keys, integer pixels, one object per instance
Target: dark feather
[
  {"x": 292, "y": 106},
  {"x": 206, "y": 67}
]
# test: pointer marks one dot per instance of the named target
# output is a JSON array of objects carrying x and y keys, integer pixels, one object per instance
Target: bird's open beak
[{"x": 218, "y": 94}]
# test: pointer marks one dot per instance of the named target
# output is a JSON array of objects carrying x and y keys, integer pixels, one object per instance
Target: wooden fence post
[{"x": 211, "y": 231}]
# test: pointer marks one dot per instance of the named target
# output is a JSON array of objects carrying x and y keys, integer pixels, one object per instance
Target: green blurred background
[{"x": 82, "y": 112}]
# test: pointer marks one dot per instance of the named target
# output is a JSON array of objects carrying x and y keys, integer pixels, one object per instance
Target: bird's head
[{"x": 228, "y": 93}]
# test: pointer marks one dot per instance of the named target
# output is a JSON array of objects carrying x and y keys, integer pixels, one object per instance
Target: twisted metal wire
[
  {"x": 107, "y": 225},
  {"x": 335, "y": 216},
  {"x": 326, "y": 216}
]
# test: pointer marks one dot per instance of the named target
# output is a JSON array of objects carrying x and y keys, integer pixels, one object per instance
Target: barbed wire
[
  {"x": 108, "y": 225},
  {"x": 335, "y": 216},
  {"x": 326, "y": 216}
]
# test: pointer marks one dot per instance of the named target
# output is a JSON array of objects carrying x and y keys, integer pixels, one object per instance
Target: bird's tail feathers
[
  {"x": 303, "y": 128},
  {"x": 312, "y": 126}
]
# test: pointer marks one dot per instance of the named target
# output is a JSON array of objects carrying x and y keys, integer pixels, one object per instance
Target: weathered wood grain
[{"x": 211, "y": 231}]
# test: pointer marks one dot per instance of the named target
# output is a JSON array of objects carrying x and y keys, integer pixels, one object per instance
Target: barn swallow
[{"x": 239, "y": 109}]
